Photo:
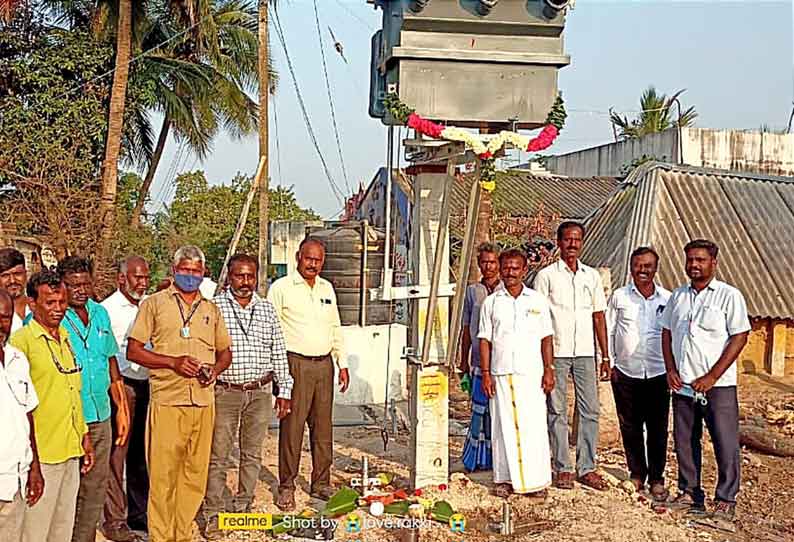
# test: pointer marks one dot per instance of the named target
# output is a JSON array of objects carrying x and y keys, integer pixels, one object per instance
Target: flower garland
[{"x": 555, "y": 120}]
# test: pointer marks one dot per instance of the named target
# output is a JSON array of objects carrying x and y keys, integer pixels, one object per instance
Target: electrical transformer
[{"x": 488, "y": 64}]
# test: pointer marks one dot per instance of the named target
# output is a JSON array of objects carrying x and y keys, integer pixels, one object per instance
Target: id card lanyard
[{"x": 185, "y": 331}]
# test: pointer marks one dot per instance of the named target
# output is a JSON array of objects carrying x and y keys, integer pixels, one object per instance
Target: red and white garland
[{"x": 555, "y": 120}]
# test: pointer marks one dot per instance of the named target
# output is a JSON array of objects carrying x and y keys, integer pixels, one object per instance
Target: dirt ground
[{"x": 765, "y": 506}]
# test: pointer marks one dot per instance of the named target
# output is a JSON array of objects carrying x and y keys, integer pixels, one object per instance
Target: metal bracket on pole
[{"x": 410, "y": 292}]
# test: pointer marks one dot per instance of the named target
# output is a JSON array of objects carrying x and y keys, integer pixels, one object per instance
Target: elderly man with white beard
[{"x": 125, "y": 511}]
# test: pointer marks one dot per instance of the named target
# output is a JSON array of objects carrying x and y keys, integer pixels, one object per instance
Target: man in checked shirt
[{"x": 242, "y": 393}]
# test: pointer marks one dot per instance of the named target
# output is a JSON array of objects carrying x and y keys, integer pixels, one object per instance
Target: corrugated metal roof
[
  {"x": 750, "y": 217},
  {"x": 520, "y": 194}
]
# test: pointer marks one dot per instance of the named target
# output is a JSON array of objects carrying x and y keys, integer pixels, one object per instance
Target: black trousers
[
  {"x": 137, "y": 473},
  {"x": 721, "y": 415},
  {"x": 643, "y": 403}
]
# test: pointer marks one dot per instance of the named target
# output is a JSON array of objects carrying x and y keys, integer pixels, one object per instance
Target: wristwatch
[{"x": 605, "y": 359}]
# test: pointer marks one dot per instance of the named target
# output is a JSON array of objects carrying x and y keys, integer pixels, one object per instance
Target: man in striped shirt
[{"x": 242, "y": 394}]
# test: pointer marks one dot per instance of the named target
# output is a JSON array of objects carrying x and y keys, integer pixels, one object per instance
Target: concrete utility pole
[
  {"x": 264, "y": 95},
  {"x": 508, "y": 80}
]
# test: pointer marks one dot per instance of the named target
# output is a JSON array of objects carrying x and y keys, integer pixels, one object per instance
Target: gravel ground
[{"x": 765, "y": 510}]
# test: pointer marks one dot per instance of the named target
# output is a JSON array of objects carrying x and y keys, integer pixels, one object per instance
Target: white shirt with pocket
[
  {"x": 634, "y": 324},
  {"x": 122, "y": 314},
  {"x": 573, "y": 297},
  {"x": 515, "y": 327},
  {"x": 17, "y": 398},
  {"x": 701, "y": 324}
]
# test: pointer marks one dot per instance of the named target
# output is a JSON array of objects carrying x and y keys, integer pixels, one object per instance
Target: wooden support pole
[
  {"x": 435, "y": 280},
  {"x": 463, "y": 267},
  {"x": 238, "y": 232},
  {"x": 264, "y": 182}
]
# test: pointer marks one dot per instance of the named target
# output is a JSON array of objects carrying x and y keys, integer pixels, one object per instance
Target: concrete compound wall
[
  {"x": 369, "y": 350},
  {"x": 767, "y": 153}
]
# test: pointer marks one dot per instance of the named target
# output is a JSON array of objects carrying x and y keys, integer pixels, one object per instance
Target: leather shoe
[{"x": 121, "y": 534}]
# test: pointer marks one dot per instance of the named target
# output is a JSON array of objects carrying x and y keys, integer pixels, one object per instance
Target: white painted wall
[
  {"x": 771, "y": 154},
  {"x": 369, "y": 351},
  {"x": 285, "y": 236}
]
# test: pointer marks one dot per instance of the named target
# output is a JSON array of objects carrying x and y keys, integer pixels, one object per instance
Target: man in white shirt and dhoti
[{"x": 517, "y": 364}]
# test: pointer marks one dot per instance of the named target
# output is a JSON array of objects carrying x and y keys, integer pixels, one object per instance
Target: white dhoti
[{"x": 519, "y": 435}]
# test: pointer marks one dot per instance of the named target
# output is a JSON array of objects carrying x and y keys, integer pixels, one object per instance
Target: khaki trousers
[
  {"x": 52, "y": 518},
  {"x": 178, "y": 444},
  {"x": 312, "y": 403},
  {"x": 11, "y": 515}
]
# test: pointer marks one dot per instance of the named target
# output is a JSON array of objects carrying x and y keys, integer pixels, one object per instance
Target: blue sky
[{"x": 734, "y": 58}]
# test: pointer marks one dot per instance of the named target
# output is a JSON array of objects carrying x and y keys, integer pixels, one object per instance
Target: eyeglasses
[{"x": 57, "y": 363}]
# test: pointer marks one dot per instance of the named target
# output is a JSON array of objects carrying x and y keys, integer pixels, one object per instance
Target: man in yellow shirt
[
  {"x": 61, "y": 431},
  {"x": 306, "y": 307},
  {"x": 190, "y": 348}
]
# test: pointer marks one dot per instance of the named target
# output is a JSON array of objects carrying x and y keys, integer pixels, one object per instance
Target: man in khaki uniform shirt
[
  {"x": 190, "y": 348},
  {"x": 306, "y": 307}
]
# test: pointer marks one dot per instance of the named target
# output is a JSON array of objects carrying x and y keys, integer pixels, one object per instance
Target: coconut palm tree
[
  {"x": 655, "y": 115},
  {"x": 194, "y": 109},
  {"x": 118, "y": 96}
]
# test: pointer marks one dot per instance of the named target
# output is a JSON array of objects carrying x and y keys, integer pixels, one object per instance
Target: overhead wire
[
  {"x": 355, "y": 16},
  {"x": 170, "y": 174},
  {"x": 279, "y": 203},
  {"x": 330, "y": 98},
  {"x": 282, "y": 40}
]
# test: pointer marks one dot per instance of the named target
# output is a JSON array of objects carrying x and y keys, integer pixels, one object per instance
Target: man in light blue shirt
[
  {"x": 94, "y": 347},
  {"x": 705, "y": 326}
]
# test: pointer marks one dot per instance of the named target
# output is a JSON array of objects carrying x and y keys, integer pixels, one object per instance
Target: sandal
[
  {"x": 502, "y": 491},
  {"x": 564, "y": 480},
  {"x": 594, "y": 480}
]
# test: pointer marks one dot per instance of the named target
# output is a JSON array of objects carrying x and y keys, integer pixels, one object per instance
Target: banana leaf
[
  {"x": 344, "y": 501},
  {"x": 442, "y": 511},
  {"x": 282, "y": 527},
  {"x": 397, "y": 508}
]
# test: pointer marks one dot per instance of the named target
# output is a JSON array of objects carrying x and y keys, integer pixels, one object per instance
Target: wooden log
[{"x": 765, "y": 441}]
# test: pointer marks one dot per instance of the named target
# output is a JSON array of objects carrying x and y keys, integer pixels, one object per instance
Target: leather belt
[
  {"x": 311, "y": 358},
  {"x": 248, "y": 386}
]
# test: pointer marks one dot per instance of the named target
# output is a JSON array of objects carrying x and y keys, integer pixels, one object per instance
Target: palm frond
[{"x": 655, "y": 115}]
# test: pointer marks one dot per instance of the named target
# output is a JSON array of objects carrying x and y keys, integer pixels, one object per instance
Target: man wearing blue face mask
[{"x": 190, "y": 348}]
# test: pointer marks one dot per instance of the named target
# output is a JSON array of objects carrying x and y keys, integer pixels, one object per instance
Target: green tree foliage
[
  {"x": 656, "y": 115},
  {"x": 53, "y": 105},
  {"x": 41, "y": 117},
  {"x": 206, "y": 215}
]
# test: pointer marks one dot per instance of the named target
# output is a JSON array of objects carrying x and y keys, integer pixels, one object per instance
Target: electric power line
[
  {"x": 279, "y": 204},
  {"x": 355, "y": 16},
  {"x": 169, "y": 174},
  {"x": 280, "y": 34},
  {"x": 330, "y": 98},
  {"x": 278, "y": 144}
]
